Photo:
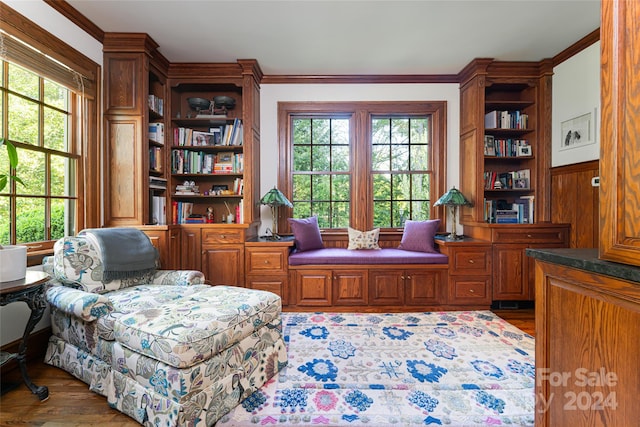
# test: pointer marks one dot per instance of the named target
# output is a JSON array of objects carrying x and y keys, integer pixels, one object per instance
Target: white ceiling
[{"x": 325, "y": 37}]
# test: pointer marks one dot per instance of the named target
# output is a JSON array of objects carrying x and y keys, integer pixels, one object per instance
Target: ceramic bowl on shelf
[
  {"x": 224, "y": 102},
  {"x": 199, "y": 104}
]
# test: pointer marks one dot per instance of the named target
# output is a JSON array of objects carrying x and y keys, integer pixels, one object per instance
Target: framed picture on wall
[{"x": 576, "y": 132}]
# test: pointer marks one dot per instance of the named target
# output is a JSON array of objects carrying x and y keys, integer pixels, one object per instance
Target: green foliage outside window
[{"x": 38, "y": 118}]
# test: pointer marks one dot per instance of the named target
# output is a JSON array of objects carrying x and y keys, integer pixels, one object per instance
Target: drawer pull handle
[
  {"x": 471, "y": 261},
  {"x": 402, "y": 277},
  {"x": 222, "y": 236},
  {"x": 529, "y": 236},
  {"x": 472, "y": 291},
  {"x": 266, "y": 262},
  {"x": 408, "y": 277}
]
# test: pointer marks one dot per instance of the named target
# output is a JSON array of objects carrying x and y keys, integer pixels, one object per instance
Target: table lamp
[
  {"x": 453, "y": 199},
  {"x": 274, "y": 199}
]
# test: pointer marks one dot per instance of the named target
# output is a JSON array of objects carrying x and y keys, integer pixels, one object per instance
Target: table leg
[{"x": 37, "y": 304}]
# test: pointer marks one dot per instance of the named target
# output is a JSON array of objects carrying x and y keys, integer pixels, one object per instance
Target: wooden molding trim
[
  {"x": 69, "y": 12},
  {"x": 361, "y": 79},
  {"x": 577, "y": 47},
  {"x": 576, "y": 167}
]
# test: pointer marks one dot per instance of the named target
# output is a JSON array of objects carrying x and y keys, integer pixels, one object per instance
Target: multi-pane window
[
  {"x": 37, "y": 117},
  {"x": 321, "y": 170},
  {"x": 400, "y": 170},
  {"x": 363, "y": 165}
]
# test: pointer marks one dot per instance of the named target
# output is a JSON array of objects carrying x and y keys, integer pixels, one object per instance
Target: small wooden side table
[{"x": 29, "y": 290}]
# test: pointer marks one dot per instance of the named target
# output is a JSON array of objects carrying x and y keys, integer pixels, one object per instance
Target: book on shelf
[
  {"x": 502, "y": 119},
  {"x": 156, "y": 104},
  {"x": 506, "y": 216},
  {"x": 195, "y": 219},
  {"x": 157, "y": 183},
  {"x": 181, "y": 211},
  {"x": 158, "y": 210},
  {"x": 155, "y": 159},
  {"x": 156, "y": 132}
]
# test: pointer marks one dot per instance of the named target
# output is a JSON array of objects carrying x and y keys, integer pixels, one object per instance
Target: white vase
[{"x": 13, "y": 263}]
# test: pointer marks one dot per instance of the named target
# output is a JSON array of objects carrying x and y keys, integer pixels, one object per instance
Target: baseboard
[{"x": 36, "y": 349}]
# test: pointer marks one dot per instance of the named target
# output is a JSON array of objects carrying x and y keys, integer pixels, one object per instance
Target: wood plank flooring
[{"x": 71, "y": 404}]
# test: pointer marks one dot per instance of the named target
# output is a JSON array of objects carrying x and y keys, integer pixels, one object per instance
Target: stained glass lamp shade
[
  {"x": 274, "y": 199},
  {"x": 453, "y": 199}
]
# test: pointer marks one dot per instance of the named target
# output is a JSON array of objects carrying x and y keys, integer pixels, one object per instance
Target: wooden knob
[
  {"x": 222, "y": 236},
  {"x": 471, "y": 261},
  {"x": 408, "y": 277},
  {"x": 266, "y": 262},
  {"x": 471, "y": 290},
  {"x": 529, "y": 236}
]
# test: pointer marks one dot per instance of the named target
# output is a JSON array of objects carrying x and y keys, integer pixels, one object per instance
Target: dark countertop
[{"x": 586, "y": 259}]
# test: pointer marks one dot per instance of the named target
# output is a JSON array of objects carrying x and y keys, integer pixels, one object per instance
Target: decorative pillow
[
  {"x": 418, "y": 235},
  {"x": 363, "y": 239},
  {"x": 306, "y": 233}
]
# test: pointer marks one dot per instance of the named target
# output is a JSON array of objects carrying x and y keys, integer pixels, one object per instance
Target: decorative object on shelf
[
  {"x": 274, "y": 199},
  {"x": 209, "y": 215},
  {"x": 224, "y": 102},
  {"x": 453, "y": 199},
  {"x": 199, "y": 104}
]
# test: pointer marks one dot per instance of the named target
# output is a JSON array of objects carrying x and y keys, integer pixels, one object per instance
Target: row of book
[
  {"x": 156, "y": 104},
  {"x": 199, "y": 162},
  {"x": 497, "y": 119},
  {"x": 223, "y": 135},
  {"x": 156, "y": 132},
  {"x": 180, "y": 211},
  {"x": 521, "y": 211},
  {"x": 155, "y": 159},
  {"x": 512, "y": 180},
  {"x": 506, "y": 147}
]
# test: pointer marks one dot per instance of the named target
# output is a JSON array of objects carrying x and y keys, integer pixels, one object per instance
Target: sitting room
[{"x": 301, "y": 213}]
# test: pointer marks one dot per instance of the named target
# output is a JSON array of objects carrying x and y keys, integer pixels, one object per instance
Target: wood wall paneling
[{"x": 575, "y": 201}]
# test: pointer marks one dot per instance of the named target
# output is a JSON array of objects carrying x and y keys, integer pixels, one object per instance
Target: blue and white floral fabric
[
  {"x": 165, "y": 348},
  {"x": 405, "y": 369}
]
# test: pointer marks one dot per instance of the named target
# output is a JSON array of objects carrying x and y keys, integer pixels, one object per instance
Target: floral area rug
[{"x": 403, "y": 369}]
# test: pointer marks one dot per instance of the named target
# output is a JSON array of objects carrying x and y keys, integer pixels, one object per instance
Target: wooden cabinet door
[
  {"x": 350, "y": 287},
  {"x": 313, "y": 288},
  {"x": 386, "y": 287},
  {"x": 271, "y": 283},
  {"x": 510, "y": 278},
  {"x": 190, "y": 248},
  {"x": 158, "y": 239},
  {"x": 223, "y": 264},
  {"x": 620, "y": 134},
  {"x": 424, "y": 287},
  {"x": 175, "y": 249}
]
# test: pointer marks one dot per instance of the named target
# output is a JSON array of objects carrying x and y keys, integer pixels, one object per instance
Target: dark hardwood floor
[{"x": 71, "y": 404}]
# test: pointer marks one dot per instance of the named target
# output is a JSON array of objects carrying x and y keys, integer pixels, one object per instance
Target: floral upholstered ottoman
[{"x": 190, "y": 361}]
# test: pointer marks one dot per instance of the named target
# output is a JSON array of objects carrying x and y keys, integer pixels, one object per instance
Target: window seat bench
[{"x": 385, "y": 280}]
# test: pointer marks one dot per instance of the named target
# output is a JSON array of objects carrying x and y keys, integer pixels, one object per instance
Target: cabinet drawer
[
  {"x": 265, "y": 261},
  {"x": 469, "y": 290},
  {"x": 222, "y": 236},
  {"x": 525, "y": 235},
  {"x": 471, "y": 262}
]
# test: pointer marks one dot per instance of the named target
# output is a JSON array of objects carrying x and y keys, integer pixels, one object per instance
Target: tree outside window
[{"x": 363, "y": 165}]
